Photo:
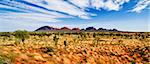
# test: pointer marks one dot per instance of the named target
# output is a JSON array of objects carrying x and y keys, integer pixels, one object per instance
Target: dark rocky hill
[
  {"x": 45, "y": 28},
  {"x": 48, "y": 28}
]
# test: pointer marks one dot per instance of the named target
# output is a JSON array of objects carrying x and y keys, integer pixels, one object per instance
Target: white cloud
[
  {"x": 8, "y": 7},
  {"x": 142, "y": 4},
  {"x": 27, "y": 8},
  {"x": 25, "y": 17},
  {"x": 81, "y": 3},
  {"x": 55, "y": 9},
  {"x": 109, "y": 4},
  {"x": 97, "y": 4},
  {"x": 62, "y": 6}
]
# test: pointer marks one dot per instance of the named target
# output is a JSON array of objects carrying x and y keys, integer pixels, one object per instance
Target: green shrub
[
  {"x": 21, "y": 35},
  {"x": 55, "y": 39}
]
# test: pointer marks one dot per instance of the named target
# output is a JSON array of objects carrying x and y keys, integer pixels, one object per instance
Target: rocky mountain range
[{"x": 48, "y": 28}]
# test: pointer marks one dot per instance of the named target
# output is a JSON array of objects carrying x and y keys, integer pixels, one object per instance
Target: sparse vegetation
[
  {"x": 21, "y": 35},
  {"x": 55, "y": 39},
  {"x": 75, "y": 48}
]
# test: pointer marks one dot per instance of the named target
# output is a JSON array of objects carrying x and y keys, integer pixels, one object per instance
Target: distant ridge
[
  {"x": 48, "y": 28},
  {"x": 45, "y": 28}
]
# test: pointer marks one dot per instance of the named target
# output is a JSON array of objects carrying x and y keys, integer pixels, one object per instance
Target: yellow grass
[{"x": 80, "y": 49}]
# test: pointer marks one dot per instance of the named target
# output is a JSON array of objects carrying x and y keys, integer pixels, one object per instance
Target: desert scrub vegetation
[
  {"x": 75, "y": 47},
  {"x": 21, "y": 35}
]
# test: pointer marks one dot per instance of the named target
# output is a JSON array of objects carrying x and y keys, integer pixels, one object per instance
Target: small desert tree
[
  {"x": 21, "y": 35},
  {"x": 55, "y": 39},
  {"x": 65, "y": 43}
]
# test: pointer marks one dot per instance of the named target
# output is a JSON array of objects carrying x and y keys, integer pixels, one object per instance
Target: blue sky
[{"x": 125, "y": 15}]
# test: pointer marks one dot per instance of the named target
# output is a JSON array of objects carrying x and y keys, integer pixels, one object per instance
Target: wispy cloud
[
  {"x": 72, "y": 8},
  {"x": 142, "y": 4},
  {"x": 52, "y": 10}
]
